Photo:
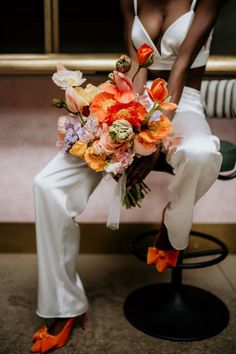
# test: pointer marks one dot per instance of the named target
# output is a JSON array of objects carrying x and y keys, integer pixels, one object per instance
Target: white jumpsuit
[{"x": 63, "y": 187}]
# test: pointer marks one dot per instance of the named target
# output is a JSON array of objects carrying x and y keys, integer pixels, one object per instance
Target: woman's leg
[
  {"x": 196, "y": 164},
  {"x": 61, "y": 192}
]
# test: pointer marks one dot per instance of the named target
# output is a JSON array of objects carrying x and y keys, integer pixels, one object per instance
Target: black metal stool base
[{"x": 186, "y": 313}]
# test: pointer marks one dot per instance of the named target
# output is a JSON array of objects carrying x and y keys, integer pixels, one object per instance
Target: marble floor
[{"x": 108, "y": 279}]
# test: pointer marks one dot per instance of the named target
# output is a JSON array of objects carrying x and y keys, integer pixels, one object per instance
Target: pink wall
[{"x": 28, "y": 135}]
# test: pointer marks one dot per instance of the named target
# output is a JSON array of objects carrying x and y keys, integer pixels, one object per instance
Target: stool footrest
[{"x": 203, "y": 253}]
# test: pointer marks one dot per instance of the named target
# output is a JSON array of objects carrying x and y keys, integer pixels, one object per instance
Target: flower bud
[
  {"x": 123, "y": 64},
  {"x": 58, "y": 103},
  {"x": 158, "y": 91},
  {"x": 110, "y": 77},
  {"x": 145, "y": 55}
]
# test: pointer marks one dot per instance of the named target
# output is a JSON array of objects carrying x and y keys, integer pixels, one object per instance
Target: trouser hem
[{"x": 61, "y": 315}]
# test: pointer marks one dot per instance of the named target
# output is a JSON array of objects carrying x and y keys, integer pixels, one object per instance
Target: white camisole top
[{"x": 170, "y": 42}]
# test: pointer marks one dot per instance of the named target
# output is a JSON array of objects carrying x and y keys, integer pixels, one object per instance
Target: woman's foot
[
  {"x": 57, "y": 335},
  {"x": 162, "y": 258},
  {"x": 162, "y": 254}
]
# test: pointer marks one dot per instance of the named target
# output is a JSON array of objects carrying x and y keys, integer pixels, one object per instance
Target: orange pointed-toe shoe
[
  {"x": 45, "y": 341},
  {"x": 162, "y": 258}
]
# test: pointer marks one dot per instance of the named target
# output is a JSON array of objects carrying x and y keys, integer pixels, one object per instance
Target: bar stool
[{"x": 176, "y": 311}]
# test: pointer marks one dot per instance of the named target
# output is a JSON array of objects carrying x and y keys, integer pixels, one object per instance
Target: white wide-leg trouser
[{"x": 62, "y": 188}]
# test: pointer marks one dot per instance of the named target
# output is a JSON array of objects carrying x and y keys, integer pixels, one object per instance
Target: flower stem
[
  {"x": 81, "y": 119},
  {"x": 136, "y": 73}
]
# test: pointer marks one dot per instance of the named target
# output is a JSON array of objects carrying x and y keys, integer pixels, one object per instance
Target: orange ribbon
[{"x": 44, "y": 341}]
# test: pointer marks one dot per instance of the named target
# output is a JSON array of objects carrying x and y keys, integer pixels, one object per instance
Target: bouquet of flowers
[{"x": 111, "y": 125}]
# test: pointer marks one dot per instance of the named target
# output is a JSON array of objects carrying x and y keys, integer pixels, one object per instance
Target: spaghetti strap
[
  {"x": 135, "y": 7},
  {"x": 193, "y": 5}
]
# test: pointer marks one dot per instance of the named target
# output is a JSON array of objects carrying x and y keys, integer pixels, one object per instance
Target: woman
[
  {"x": 180, "y": 59},
  {"x": 180, "y": 33}
]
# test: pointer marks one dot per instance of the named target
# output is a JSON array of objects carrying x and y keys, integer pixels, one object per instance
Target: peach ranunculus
[
  {"x": 145, "y": 55},
  {"x": 78, "y": 149},
  {"x": 100, "y": 105},
  {"x": 122, "y": 89},
  {"x": 142, "y": 146},
  {"x": 96, "y": 162},
  {"x": 107, "y": 145}
]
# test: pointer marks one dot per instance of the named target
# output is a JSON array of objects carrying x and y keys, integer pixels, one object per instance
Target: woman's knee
[
  {"x": 205, "y": 157},
  {"x": 40, "y": 182}
]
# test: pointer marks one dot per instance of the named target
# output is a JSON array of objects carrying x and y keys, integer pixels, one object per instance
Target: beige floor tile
[
  {"x": 108, "y": 280},
  {"x": 228, "y": 267}
]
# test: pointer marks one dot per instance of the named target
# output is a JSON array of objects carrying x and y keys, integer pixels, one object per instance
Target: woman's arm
[
  {"x": 127, "y": 8},
  {"x": 201, "y": 26}
]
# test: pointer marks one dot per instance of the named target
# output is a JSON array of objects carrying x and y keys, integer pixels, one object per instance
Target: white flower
[
  {"x": 114, "y": 168},
  {"x": 67, "y": 78}
]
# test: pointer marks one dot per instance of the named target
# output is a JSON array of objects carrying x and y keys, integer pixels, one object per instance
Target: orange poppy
[
  {"x": 133, "y": 112},
  {"x": 100, "y": 105},
  {"x": 160, "y": 128}
]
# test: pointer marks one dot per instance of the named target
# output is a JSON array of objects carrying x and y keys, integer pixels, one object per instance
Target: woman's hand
[
  {"x": 169, "y": 114},
  {"x": 141, "y": 167}
]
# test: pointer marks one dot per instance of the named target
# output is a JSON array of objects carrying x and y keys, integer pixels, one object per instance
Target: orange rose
[
  {"x": 145, "y": 55},
  {"x": 78, "y": 149},
  {"x": 158, "y": 91},
  {"x": 95, "y": 162}
]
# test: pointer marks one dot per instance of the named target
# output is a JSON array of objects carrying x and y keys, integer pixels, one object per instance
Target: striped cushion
[{"x": 219, "y": 97}]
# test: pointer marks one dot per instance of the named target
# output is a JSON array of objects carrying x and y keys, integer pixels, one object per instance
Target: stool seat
[{"x": 228, "y": 151}]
